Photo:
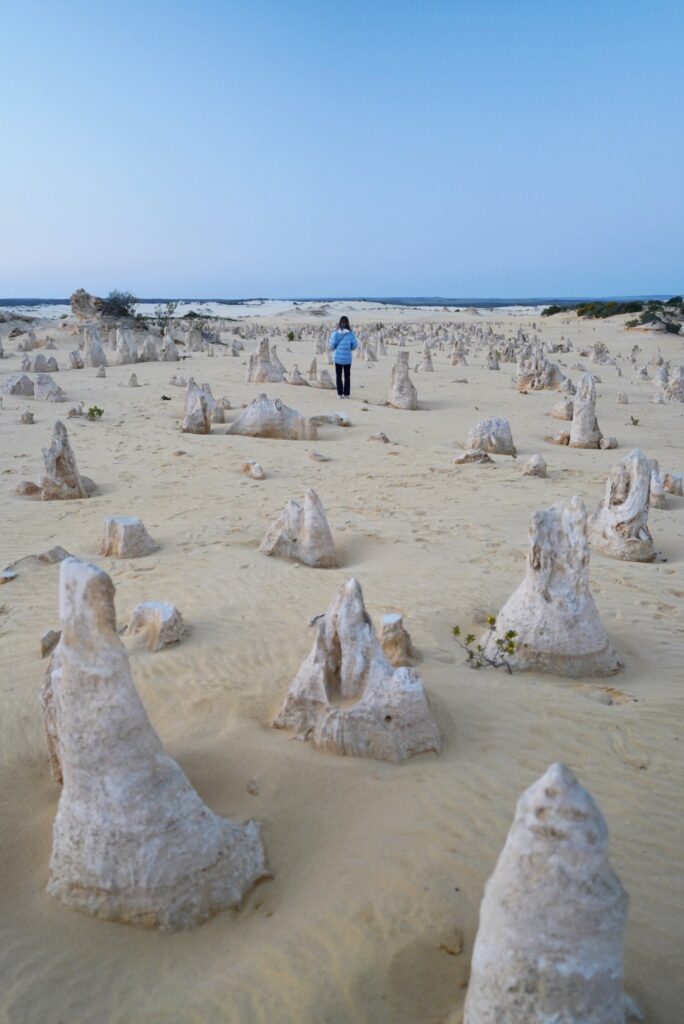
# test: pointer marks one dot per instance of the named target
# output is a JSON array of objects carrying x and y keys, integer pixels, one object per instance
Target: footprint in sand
[{"x": 630, "y": 751}]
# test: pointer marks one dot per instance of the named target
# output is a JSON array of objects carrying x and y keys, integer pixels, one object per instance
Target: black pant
[{"x": 339, "y": 368}]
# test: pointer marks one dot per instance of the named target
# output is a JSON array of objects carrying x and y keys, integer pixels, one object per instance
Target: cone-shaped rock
[
  {"x": 348, "y": 699},
  {"x": 132, "y": 841},
  {"x": 302, "y": 532},
  {"x": 552, "y": 612},
  {"x": 267, "y": 417},
  {"x": 549, "y": 948},
  {"x": 62, "y": 480}
]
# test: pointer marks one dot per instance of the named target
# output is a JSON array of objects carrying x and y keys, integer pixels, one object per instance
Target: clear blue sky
[{"x": 218, "y": 148}]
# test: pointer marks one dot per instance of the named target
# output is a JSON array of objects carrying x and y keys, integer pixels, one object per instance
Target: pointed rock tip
[{"x": 557, "y": 808}]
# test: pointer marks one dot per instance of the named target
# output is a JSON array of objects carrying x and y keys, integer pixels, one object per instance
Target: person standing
[{"x": 342, "y": 343}]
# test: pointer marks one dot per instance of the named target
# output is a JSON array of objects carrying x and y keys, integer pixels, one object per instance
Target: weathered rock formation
[
  {"x": 197, "y": 419},
  {"x": 302, "y": 532},
  {"x": 261, "y": 369},
  {"x": 549, "y": 947},
  {"x": 402, "y": 391},
  {"x": 619, "y": 526},
  {"x": 85, "y": 306},
  {"x": 160, "y": 621},
  {"x": 348, "y": 699},
  {"x": 61, "y": 480},
  {"x": 126, "y": 537},
  {"x": 93, "y": 352},
  {"x": 396, "y": 641},
  {"x": 296, "y": 378},
  {"x": 132, "y": 841},
  {"x": 17, "y": 384},
  {"x": 585, "y": 432},
  {"x": 557, "y": 625},
  {"x": 492, "y": 435},
  {"x": 267, "y": 417},
  {"x": 535, "y": 466},
  {"x": 535, "y": 372}
]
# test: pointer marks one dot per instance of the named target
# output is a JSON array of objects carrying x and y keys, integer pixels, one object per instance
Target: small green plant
[
  {"x": 163, "y": 312},
  {"x": 290, "y": 335},
  {"x": 95, "y": 412},
  {"x": 634, "y": 420},
  {"x": 476, "y": 657}
]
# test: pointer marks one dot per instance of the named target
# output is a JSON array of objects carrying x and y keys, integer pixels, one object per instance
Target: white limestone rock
[
  {"x": 93, "y": 352},
  {"x": 267, "y": 417},
  {"x": 402, "y": 391},
  {"x": 169, "y": 351},
  {"x": 492, "y": 435},
  {"x": 126, "y": 351},
  {"x": 17, "y": 384},
  {"x": 45, "y": 389},
  {"x": 396, "y": 641},
  {"x": 148, "y": 352},
  {"x": 619, "y": 526},
  {"x": 126, "y": 537},
  {"x": 348, "y": 699},
  {"x": 132, "y": 841},
  {"x": 425, "y": 364},
  {"x": 61, "y": 480},
  {"x": 197, "y": 419},
  {"x": 557, "y": 624},
  {"x": 160, "y": 621},
  {"x": 26, "y": 418},
  {"x": 549, "y": 947},
  {"x": 657, "y": 487},
  {"x": 302, "y": 532},
  {"x": 535, "y": 466},
  {"x": 253, "y": 470},
  {"x": 296, "y": 378},
  {"x": 535, "y": 372},
  {"x": 563, "y": 410},
  {"x": 585, "y": 432},
  {"x": 261, "y": 369}
]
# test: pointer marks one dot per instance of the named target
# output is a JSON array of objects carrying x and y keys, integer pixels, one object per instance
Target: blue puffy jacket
[{"x": 342, "y": 344}]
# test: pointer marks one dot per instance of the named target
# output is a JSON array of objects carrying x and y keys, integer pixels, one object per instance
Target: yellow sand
[{"x": 378, "y": 870}]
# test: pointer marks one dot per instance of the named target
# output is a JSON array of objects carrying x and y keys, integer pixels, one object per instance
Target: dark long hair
[{"x": 344, "y": 324}]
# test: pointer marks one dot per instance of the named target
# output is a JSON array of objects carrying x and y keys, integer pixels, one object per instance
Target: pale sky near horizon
[{"x": 236, "y": 149}]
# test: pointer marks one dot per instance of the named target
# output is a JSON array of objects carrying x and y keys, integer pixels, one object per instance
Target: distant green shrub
[
  {"x": 602, "y": 310},
  {"x": 119, "y": 304}
]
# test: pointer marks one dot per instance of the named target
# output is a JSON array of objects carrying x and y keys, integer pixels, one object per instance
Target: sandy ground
[{"x": 378, "y": 870}]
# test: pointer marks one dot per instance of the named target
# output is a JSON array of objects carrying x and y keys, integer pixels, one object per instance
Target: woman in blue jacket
[{"x": 342, "y": 343}]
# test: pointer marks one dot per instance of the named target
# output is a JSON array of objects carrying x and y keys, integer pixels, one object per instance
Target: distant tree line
[{"x": 653, "y": 311}]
